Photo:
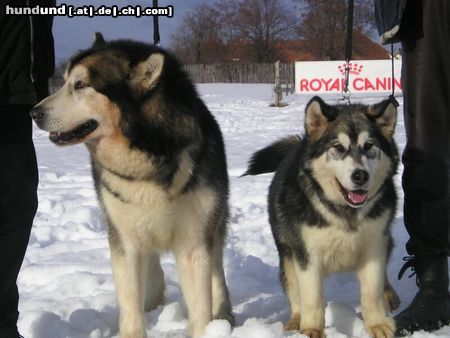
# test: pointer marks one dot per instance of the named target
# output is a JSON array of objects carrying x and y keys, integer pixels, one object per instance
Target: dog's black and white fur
[
  {"x": 331, "y": 203},
  {"x": 160, "y": 173}
]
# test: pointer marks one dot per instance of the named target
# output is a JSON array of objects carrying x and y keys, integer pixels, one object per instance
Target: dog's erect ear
[
  {"x": 318, "y": 115},
  {"x": 385, "y": 115},
  {"x": 146, "y": 73},
  {"x": 99, "y": 41}
]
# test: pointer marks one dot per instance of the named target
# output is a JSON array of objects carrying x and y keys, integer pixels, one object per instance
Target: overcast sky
[{"x": 72, "y": 34}]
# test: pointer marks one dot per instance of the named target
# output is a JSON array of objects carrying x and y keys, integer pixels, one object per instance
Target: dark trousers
[
  {"x": 426, "y": 89},
  {"x": 18, "y": 204}
]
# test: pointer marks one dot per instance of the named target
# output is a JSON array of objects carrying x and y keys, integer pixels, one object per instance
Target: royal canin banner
[{"x": 366, "y": 76}]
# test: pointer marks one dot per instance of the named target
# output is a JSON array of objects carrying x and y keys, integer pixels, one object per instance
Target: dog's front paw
[
  {"x": 294, "y": 323},
  {"x": 313, "y": 333},
  {"x": 386, "y": 329}
]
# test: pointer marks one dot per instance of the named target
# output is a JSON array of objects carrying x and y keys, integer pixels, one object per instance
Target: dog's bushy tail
[{"x": 269, "y": 158}]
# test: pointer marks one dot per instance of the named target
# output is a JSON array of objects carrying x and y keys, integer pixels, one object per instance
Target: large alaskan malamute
[
  {"x": 160, "y": 173},
  {"x": 331, "y": 203}
]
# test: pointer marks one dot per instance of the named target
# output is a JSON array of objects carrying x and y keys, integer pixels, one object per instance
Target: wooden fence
[
  {"x": 240, "y": 72},
  {"x": 224, "y": 73}
]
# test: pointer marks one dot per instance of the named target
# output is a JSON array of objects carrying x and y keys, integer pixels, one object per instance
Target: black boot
[{"x": 430, "y": 308}]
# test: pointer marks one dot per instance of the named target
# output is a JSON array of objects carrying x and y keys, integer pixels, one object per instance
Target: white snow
[{"x": 66, "y": 284}]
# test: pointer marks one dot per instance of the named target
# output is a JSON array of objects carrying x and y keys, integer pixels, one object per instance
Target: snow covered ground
[{"x": 66, "y": 284}]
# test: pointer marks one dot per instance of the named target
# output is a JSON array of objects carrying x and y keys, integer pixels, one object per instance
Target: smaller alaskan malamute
[{"x": 331, "y": 203}]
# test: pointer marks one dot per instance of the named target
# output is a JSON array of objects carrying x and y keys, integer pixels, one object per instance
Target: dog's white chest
[
  {"x": 145, "y": 213},
  {"x": 339, "y": 249},
  {"x": 140, "y": 212}
]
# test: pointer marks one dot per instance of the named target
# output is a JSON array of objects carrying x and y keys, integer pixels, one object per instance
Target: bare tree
[
  {"x": 226, "y": 10},
  {"x": 323, "y": 24},
  {"x": 263, "y": 23},
  {"x": 198, "y": 39}
]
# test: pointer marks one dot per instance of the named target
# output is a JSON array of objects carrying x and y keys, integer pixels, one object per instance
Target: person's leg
[
  {"x": 426, "y": 84},
  {"x": 426, "y": 88},
  {"x": 18, "y": 204}
]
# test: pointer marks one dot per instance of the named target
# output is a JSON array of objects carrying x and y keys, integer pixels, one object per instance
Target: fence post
[
  {"x": 278, "y": 92},
  {"x": 277, "y": 84}
]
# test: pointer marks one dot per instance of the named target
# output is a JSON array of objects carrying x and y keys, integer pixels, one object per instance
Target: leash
[
  {"x": 348, "y": 56},
  {"x": 348, "y": 52},
  {"x": 156, "y": 38},
  {"x": 392, "y": 96}
]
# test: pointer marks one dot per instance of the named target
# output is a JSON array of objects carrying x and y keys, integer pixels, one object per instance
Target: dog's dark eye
[
  {"x": 368, "y": 146},
  {"x": 79, "y": 85},
  {"x": 339, "y": 148}
]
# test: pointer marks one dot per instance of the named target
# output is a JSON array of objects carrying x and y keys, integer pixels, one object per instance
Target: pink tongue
[{"x": 357, "y": 197}]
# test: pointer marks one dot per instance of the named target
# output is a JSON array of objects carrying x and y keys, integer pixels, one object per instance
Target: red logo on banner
[{"x": 355, "y": 69}]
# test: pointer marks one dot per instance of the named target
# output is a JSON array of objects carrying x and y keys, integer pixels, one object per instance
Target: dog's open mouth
[
  {"x": 74, "y": 135},
  {"x": 356, "y": 198}
]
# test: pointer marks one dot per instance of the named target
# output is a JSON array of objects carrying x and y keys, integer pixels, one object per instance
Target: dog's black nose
[
  {"x": 360, "y": 176},
  {"x": 37, "y": 114}
]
